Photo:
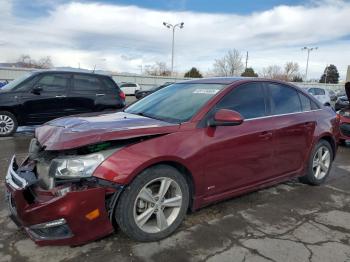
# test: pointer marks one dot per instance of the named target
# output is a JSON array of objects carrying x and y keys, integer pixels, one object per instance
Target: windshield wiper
[{"x": 149, "y": 116}]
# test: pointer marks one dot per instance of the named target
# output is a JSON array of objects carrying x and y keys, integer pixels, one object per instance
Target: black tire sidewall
[
  {"x": 310, "y": 177},
  {"x": 14, "y": 121},
  {"x": 124, "y": 212}
]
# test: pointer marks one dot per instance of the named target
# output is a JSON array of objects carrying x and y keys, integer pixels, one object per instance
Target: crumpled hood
[{"x": 76, "y": 131}]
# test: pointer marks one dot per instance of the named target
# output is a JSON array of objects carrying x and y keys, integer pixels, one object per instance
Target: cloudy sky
[{"x": 122, "y": 35}]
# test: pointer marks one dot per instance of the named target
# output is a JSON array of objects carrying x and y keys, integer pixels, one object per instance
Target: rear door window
[
  {"x": 284, "y": 99},
  {"x": 87, "y": 83},
  {"x": 247, "y": 99}
]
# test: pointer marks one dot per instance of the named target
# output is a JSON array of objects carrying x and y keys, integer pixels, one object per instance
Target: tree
[
  {"x": 273, "y": 72},
  {"x": 291, "y": 69},
  {"x": 330, "y": 75},
  {"x": 158, "y": 69},
  {"x": 193, "y": 73},
  {"x": 229, "y": 65},
  {"x": 249, "y": 72},
  {"x": 297, "y": 78},
  {"x": 290, "y": 72},
  {"x": 27, "y": 62}
]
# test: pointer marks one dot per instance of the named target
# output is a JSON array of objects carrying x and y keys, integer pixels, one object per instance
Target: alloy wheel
[
  {"x": 321, "y": 162},
  {"x": 6, "y": 124},
  {"x": 157, "y": 205}
]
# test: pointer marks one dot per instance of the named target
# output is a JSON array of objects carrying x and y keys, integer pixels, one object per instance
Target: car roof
[
  {"x": 217, "y": 80},
  {"x": 75, "y": 71}
]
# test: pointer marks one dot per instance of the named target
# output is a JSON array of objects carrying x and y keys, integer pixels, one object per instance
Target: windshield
[
  {"x": 16, "y": 82},
  {"x": 175, "y": 103}
]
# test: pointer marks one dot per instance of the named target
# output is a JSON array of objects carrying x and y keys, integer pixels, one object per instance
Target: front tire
[
  {"x": 8, "y": 124},
  {"x": 153, "y": 206},
  {"x": 320, "y": 164}
]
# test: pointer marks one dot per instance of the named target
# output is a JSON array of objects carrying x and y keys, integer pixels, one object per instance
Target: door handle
[
  {"x": 265, "y": 135},
  {"x": 100, "y": 94},
  {"x": 60, "y": 96},
  {"x": 308, "y": 125}
]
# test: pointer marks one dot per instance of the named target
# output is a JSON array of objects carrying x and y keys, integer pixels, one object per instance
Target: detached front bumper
[{"x": 75, "y": 218}]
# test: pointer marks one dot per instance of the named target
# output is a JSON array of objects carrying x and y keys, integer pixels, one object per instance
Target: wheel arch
[
  {"x": 14, "y": 112},
  {"x": 331, "y": 141},
  {"x": 179, "y": 167},
  {"x": 183, "y": 170}
]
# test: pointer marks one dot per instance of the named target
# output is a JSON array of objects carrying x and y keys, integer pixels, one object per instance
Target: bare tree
[
  {"x": 45, "y": 62},
  {"x": 158, "y": 69},
  {"x": 273, "y": 72},
  {"x": 291, "y": 69},
  {"x": 27, "y": 62},
  {"x": 288, "y": 73},
  {"x": 229, "y": 65}
]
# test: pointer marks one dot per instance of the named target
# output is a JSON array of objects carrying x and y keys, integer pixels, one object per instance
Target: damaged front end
[{"x": 55, "y": 198}]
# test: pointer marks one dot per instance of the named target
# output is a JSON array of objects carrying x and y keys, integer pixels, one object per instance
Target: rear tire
[
  {"x": 8, "y": 124},
  {"x": 319, "y": 164},
  {"x": 153, "y": 206}
]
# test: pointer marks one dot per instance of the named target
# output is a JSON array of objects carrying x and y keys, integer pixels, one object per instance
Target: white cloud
[
  {"x": 123, "y": 37},
  {"x": 5, "y": 9}
]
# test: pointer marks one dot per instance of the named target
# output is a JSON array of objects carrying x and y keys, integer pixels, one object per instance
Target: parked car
[
  {"x": 181, "y": 148},
  {"x": 3, "y": 83},
  {"x": 332, "y": 95},
  {"x": 130, "y": 88},
  {"x": 142, "y": 93},
  {"x": 320, "y": 94},
  {"x": 341, "y": 102},
  {"x": 38, "y": 97}
]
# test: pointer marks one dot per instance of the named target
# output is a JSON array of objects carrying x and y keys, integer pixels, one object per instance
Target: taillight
[{"x": 122, "y": 95}]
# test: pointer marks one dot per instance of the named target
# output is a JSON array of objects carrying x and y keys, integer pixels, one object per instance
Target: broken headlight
[{"x": 76, "y": 166}]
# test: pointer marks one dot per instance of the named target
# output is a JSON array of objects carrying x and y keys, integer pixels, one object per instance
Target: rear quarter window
[
  {"x": 109, "y": 84},
  {"x": 305, "y": 102}
]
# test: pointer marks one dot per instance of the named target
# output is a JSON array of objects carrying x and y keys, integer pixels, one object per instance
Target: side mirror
[
  {"x": 37, "y": 90},
  {"x": 225, "y": 117}
]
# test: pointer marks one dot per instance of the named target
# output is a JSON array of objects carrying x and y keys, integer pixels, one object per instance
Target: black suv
[{"x": 41, "y": 96}]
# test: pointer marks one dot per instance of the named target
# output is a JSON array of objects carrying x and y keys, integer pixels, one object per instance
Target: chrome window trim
[{"x": 269, "y": 116}]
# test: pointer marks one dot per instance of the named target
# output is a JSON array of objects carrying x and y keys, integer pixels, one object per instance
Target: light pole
[
  {"x": 173, "y": 27},
  {"x": 308, "y": 49}
]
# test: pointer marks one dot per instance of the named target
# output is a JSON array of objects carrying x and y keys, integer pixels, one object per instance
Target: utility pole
[
  {"x": 173, "y": 27},
  {"x": 246, "y": 61},
  {"x": 308, "y": 49},
  {"x": 326, "y": 73}
]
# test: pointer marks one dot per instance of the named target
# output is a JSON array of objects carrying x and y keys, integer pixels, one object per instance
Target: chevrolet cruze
[{"x": 179, "y": 149}]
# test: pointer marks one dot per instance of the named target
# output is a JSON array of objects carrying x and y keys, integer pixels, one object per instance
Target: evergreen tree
[
  {"x": 249, "y": 72},
  {"x": 194, "y": 73},
  {"x": 330, "y": 75}
]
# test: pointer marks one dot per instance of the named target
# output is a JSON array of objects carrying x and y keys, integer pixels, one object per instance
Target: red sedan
[{"x": 181, "y": 148}]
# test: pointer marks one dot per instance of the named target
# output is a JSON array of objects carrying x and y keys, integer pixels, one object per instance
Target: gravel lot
[{"x": 287, "y": 222}]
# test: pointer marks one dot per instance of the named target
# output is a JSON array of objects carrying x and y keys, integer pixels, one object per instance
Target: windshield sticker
[{"x": 206, "y": 91}]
